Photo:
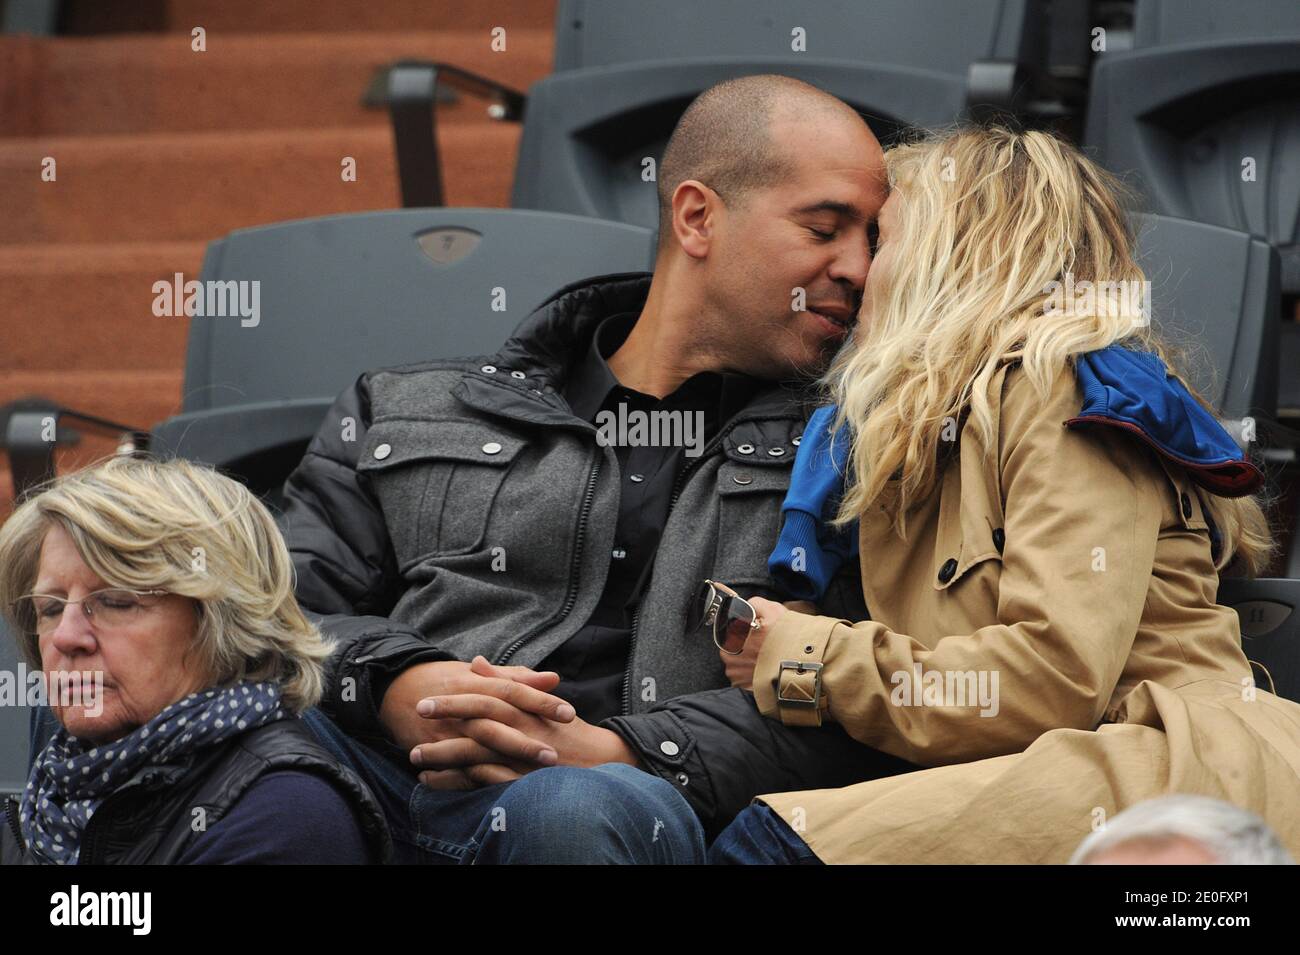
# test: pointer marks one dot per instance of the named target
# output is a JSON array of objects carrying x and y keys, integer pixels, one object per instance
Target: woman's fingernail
[
  {"x": 564, "y": 713},
  {"x": 548, "y": 757},
  {"x": 426, "y": 707}
]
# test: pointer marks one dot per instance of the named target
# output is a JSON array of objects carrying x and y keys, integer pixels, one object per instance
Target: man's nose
[
  {"x": 73, "y": 634},
  {"x": 851, "y": 264}
]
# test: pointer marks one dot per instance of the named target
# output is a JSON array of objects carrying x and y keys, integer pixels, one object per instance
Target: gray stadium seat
[
  {"x": 1270, "y": 629},
  {"x": 1214, "y": 296},
  {"x": 937, "y": 36},
  {"x": 13, "y": 724},
  {"x": 344, "y": 294},
  {"x": 1207, "y": 87},
  {"x": 625, "y": 75}
]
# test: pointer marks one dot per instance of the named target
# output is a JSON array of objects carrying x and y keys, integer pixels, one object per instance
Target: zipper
[
  {"x": 11, "y": 816},
  {"x": 575, "y": 566},
  {"x": 672, "y": 502}
]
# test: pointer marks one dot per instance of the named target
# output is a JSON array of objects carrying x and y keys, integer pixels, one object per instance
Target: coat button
[
  {"x": 1187, "y": 505},
  {"x": 491, "y": 448},
  {"x": 745, "y": 449},
  {"x": 947, "y": 570},
  {"x": 776, "y": 452},
  {"x": 489, "y": 369},
  {"x": 795, "y": 441},
  {"x": 669, "y": 748},
  {"x": 999, "y": 539},
  {"x": 618, "y": 553},
  {"x": 742, "y": 479},
  {"x": 383, "y": 451},
  {"x": 683, "y": 779},
  {"x": 518, "y": 374},
  {"x": 636, "y": 478}
]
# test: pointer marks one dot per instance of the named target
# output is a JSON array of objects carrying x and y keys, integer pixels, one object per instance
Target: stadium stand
[
  {"x": 187, "y": 148},
  {"x": 1203, "y": 117}
]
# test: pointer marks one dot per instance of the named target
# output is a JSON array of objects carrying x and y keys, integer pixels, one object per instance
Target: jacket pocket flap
[{"x": 398, "y": 441}]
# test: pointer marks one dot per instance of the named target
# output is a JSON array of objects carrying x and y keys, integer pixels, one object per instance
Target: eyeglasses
[
  {"x": 109, "y": 608},
  {"x": 731, "y": 616}
]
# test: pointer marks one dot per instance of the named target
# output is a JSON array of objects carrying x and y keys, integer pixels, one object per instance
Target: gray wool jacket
[{"x": 458, "y": 507}]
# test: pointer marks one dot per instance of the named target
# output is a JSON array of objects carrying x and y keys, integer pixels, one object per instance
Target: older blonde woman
[
  {"x": 1041, "y": 510},
  {"x": 157, "y": 599}
]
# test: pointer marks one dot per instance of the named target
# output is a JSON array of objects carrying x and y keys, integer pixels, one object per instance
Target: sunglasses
[{"x": 730, "y": 616}]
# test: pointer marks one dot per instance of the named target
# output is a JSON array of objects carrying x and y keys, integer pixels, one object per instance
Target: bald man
[{"x": 509, "y": 554}]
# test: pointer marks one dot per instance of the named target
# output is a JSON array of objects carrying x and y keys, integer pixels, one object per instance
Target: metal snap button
[
  {"x": 383, "y": 451},
  {"x": 635, "y": 478},
  {"x": 683, "y": 779},
  {"x": 742, "y": 479},
  {"x": 491, "y": 448},
  {"x": 776, "y": 452},
  {"x": 618, "y": 553},
  {"x": 489, "y": 369},
  {"x": 745, "y": 449},
  {"x": 669, "y": 748},
  {"x": 518, "y": 374},
  {"x": 795, "y": 441}
]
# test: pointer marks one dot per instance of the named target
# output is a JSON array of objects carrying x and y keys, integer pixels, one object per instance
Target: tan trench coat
[{"x": 1073, "y": 568}]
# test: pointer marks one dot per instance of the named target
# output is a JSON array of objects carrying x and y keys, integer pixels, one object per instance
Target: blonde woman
[
  {"x": 1042, "y": 510},
  {"x": 157, "y": 600}
]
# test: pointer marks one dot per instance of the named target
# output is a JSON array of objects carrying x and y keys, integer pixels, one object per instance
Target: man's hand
[
  {"x": 739, "y": 667},
  {"x": 500, "y": 742},
  {"x": 519, "y": 688}
]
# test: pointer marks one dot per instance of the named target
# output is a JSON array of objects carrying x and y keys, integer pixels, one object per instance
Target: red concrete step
[
  {"x": 261, "y": 16},
  {"x": 156, "y": 83},
  {"x": 176, "y": 186},
  {"x": 74, "y": 307}
]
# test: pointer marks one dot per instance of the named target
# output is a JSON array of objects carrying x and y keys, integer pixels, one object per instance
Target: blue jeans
[
  {"x": 562, "y": 814},
  {"x": 758, "y": 836}
]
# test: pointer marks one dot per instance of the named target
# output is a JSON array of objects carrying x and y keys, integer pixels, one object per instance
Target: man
[{"x": 507, "y": 559}]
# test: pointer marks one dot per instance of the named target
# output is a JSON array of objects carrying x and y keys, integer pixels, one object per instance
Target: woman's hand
[{"x": 739, "y": 667}]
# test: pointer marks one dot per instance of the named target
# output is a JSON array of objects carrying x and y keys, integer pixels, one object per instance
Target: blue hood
[
  {"x": 1124, "y": 389},
  {"x": 1132, "y": 390}
]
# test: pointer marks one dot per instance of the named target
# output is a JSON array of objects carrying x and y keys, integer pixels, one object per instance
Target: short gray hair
[{"x": 1231, "y": 834}]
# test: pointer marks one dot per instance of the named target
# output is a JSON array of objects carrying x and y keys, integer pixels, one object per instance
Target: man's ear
[{"x": 696, "y": 213}]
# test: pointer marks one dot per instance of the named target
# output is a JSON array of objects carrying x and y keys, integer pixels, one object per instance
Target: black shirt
[{"x": 593, "y": 662}]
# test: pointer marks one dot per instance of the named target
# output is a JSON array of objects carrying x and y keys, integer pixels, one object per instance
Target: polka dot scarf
[{"x": 72, "y": 778}]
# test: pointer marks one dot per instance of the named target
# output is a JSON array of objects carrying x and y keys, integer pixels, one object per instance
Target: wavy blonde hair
[
  {"x": 991, "y": 217},
  {"x": 184, "y": 528}
]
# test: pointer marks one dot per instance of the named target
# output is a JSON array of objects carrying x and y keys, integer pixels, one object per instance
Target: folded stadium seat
[
  {"x": 343, "y": 294},
  {"x": 1203, "y": 115},
  {"x": 13, "y": 721},
  {"x": 1270, "y": 629},
  {"x": 624, "y": 75},
  {"x": 1214, "y": 299}
]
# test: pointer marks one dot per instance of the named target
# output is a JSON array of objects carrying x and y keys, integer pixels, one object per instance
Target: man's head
[{"x": 768, "y": 190}]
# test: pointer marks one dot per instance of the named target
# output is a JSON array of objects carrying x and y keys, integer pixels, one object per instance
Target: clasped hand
[{"x": 475, "y": 724}]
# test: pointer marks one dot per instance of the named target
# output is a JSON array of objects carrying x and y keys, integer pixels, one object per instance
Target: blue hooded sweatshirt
[{"x": 1122, "y": 388}]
